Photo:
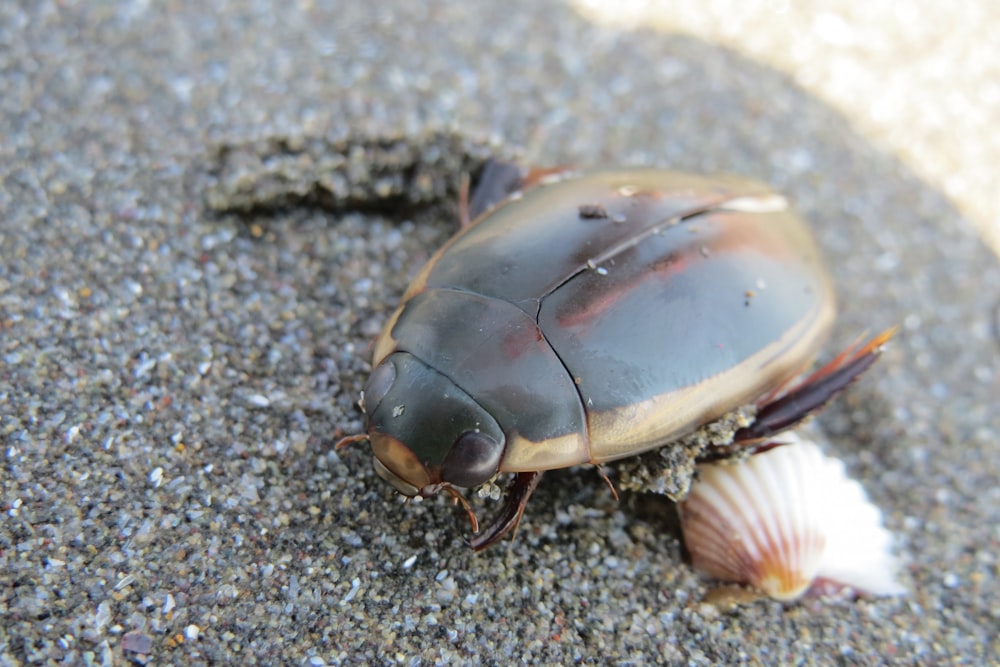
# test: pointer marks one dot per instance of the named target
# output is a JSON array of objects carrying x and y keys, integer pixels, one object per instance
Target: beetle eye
[{"x": 473, "y": 459}]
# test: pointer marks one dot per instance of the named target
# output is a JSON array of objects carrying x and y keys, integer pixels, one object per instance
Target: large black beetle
[{"x": 593, "y": 316}]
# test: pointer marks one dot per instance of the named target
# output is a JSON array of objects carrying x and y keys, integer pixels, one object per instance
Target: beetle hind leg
[{"x": 808, "y": 397}]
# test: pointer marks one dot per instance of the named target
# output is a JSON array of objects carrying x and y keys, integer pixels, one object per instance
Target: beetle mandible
[{"x": 587, "y": 317}]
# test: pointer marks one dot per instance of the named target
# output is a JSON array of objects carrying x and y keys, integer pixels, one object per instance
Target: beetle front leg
[{"x": 510, "y": 515}]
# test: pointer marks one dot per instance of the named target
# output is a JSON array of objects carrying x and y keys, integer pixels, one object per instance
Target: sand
[{"x": 208, "y": 210}]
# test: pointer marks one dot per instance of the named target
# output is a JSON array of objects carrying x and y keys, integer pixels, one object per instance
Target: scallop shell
[{"x": 785, "y": 518}]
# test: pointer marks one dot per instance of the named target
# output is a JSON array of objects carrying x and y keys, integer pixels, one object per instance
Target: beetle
[{"x": 585, "y": 317}]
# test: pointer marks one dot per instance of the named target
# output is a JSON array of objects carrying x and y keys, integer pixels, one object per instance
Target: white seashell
[{"x": 785, "y": 518}]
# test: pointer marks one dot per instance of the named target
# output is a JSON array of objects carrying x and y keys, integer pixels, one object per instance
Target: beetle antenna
[
  {"x": 607, "y": 480},
  {"x": 459, "y": 499},
  {"x": 350, "y": 440}
]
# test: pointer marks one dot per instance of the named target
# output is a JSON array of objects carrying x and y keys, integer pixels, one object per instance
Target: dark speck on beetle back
[{"x": 592, "y": 212}]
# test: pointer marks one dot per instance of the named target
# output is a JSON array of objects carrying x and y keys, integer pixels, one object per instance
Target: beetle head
[{"x": 427, "y": 434}]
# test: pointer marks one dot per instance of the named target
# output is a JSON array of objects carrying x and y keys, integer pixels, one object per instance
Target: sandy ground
[{"x": 207, "y": 211}]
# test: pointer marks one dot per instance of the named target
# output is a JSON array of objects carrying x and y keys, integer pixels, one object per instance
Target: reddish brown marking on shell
[
  {"x": 518, "y": 342},
  {"x": 673, "y": 265}
]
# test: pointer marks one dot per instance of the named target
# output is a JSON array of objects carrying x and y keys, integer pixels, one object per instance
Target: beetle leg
[
  {"x": 510, "y": 515},
  {"x": 607, "y": 480},
  {"x": 459, "y": 499},
  {"x": 350, "y": 440},
  {"x": 498, "y": 180},
  {"x": 811, "y": 394},
  {"x": 540, "y": 175},
  {"x": 464, "y": 220}
]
